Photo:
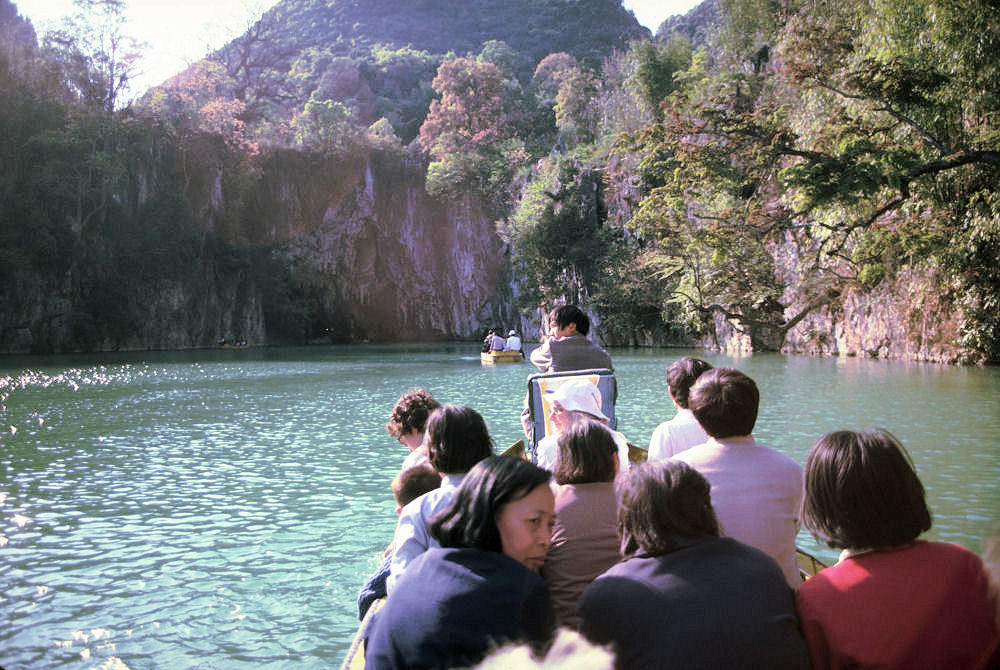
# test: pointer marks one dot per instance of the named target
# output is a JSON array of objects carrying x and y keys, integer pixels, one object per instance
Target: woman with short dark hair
[
  {"x": 685, "y": 597},
  {"x": 584, "y": 540},
  {"x": 456, "y": 438},
  {"x": 481, "y": 587},
  {"x": 893, "y": 601}
]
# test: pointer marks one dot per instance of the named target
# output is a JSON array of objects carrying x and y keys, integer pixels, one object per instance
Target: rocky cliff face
[
  {"x": 377, "y": 258},
  {"x": 907, "y": 317},
  {"x": 41, "y": 316}
]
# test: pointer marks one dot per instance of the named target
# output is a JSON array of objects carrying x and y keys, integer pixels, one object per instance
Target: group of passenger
[
  {"x": 495, "y": 341},
  {"x": 684, "y": 561}
]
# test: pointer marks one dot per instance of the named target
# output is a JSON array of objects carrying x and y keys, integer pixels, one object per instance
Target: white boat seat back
[{"x": 539, "y": 403}]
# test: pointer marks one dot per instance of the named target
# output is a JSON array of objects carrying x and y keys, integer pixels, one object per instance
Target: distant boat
[
  {"x": 494, "y": 357},
  {"x": 232, "y": 344}
]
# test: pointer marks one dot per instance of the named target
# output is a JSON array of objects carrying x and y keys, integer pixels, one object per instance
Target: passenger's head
[
  {"x": 725, "y": 401},
  {"x": 409, "y": 417},
  {"x": 587, "y": 453},
  {"x": 457, "y": 439},
  {"x": 662, "y": 506},
  {"x": 504, "y": 504},
  {"x": 681, "y": 375},
  {"x": 563, "y": 317},
  {"x": 862, "y": 492},
  {"x": 576, "y": 398},
  {"x": 412, "y": 483}
]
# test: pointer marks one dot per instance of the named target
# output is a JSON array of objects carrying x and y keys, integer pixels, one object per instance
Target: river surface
[{"x": 220, "y": 509}]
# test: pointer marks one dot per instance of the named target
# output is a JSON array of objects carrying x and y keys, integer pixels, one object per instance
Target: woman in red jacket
[{"x": 893, "y": 601}]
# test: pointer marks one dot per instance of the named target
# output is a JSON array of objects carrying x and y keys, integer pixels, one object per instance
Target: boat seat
[{"x": 539, "y": 403}]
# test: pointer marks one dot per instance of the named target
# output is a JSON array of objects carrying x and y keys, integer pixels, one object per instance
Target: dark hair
[
  {"x": 681, "y": 374},
  {"x": 662, "y": 506},
  {"x": 567, "y": 314},
  {"x": 413, "y": 482},
  {"x": 725, "y": 401},
  {"x": 410, "y": 412},
  {"x": 470, "y": 520},
  {"x": 862, "y": 491},
  {"x": 457, "y": 439},
  {"x": 586, "y": 453}
]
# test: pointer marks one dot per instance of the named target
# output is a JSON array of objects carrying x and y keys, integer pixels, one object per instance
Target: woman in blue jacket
[{"x": 481, "y": 588}]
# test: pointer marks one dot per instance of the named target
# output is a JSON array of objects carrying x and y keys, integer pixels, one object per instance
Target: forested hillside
[{"x": 758, "y": 175}]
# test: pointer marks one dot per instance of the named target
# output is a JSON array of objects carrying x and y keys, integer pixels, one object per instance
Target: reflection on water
[{"x": 221, "y": 508}]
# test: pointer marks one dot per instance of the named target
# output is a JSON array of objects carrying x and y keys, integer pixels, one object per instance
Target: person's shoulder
[
  {"x": 941, "y": 552},
  {"x": 780, "y": 458},
  {"x": 749, "y": 556},
  {"x": 698, "y": 452},
  {"x": 572, "y": 494},
  {"x": 426, "y": 503},
  {"x": 662, "y": 428}
]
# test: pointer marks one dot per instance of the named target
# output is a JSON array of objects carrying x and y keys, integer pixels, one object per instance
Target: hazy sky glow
[{"x": 180, "y": 32}]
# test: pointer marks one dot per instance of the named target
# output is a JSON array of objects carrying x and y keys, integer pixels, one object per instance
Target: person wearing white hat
[
  {"x": 513, "y": 342},
  {"x": 572, "y": 399}
]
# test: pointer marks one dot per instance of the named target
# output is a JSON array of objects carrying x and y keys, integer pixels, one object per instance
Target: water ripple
[{"x": 223, "y": 512}]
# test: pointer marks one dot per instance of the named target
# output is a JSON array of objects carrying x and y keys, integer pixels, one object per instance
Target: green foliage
[
  {"x": 855, "y": 157},
  {"x": 549, "y": 74},
  {"x": 452, "y": 176},
  {"x": 325, "y": 126},
  {"x": 401, "y": 82},
  {"x": 507, "y": 60},
  {"x": 656, "y": 65},
  {"x": 382, "y": 135},
  {"x": 972, "y": 257},
  {"x": 798, "y": 148},
  {"x": 576, "y": 110}
]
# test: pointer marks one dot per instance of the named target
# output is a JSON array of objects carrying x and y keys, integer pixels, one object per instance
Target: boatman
[{"x": 567, "y": 347}]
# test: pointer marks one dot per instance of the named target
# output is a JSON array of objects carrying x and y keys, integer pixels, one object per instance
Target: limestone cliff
[
  {"x": 908, "y": 317},
  {"x": 373, "y": 255}
]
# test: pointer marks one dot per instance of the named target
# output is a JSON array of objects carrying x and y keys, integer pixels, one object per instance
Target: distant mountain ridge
[{"x": 587, "y": 29}]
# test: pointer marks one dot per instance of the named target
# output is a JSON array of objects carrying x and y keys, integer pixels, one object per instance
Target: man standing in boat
[{"x": 567, "y": 347}]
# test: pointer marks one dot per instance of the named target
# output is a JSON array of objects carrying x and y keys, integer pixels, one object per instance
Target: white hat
[
  {"x": 579, "y": 395},
  {"x": 513, "y": 332}
]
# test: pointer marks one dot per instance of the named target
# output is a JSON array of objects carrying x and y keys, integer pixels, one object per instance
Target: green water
[{"x": 220, "y": 509}]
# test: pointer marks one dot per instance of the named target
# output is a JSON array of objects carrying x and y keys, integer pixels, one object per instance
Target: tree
[
  {"x": 550, "y": 73},
  {"x": 819, "y": 148},
  {"x": 468, "y": 116},
  {"x": 576, "y": 110},
  {"x": 655, "y": 66},
  {"x": 507, "y": 60},
  {"x": 468, "y": 132},
  {"x": 325, "y": 126},
  {"x": 95, "y": 55}
]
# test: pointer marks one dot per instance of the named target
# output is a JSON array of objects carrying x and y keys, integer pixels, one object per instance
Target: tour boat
[{"x": 494, "y": 357}]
